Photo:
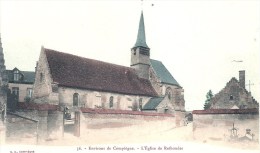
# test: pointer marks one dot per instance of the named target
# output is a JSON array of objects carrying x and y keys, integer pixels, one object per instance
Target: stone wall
[
  {"x": 95, "y": 99},
  {"x": 42, "y": 85},
  {"x": 22, "y": 129},
  {"x": 33, "y": 126},
  {"x": 114, "y": 120},
  {"x": 208, "y": 126},
  {"x": 38, "y": 123}
]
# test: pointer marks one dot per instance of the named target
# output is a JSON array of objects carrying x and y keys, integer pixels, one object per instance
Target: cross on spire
[{"x": 249, "y": 85}]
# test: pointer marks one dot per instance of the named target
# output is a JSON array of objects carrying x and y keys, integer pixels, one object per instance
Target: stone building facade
[
  {"x": 21, "y": 84},
  {"x": 234, "y": 96},
  {"x": 72, "y": 81},
  {"x": 86, "y": 87}
]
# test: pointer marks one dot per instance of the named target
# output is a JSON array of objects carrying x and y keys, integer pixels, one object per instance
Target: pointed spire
[{"x": 141, "y": 42}]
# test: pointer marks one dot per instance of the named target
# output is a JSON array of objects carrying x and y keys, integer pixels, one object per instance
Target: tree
[{"x": 207, "y": 103}]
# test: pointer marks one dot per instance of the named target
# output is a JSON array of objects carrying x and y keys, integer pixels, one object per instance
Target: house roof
[
  {"x": 162, "y": 73},
  {"x": 26, "y": 76},
  {"x": 78, "y": 72},
  {"x": 153, "y": 103}
]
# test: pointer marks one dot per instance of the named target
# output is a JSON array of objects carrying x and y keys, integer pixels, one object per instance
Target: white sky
[{"x": 196, "y": 40}]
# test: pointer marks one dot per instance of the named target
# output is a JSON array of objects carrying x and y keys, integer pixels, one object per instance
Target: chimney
[{"x": 242, "y": 79}]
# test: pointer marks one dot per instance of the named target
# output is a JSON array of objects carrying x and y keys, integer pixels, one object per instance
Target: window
[
  {"x": 29, "y": 92},
  {"x": 168, "y": 93},
  {"x": 231, "y": 97},
  {"x": 111, "y": 103},
  {"x": 141, "y": 103},
  {"x": 41, "y": 77},
  {"x": 15, "y": 92},
  {"x": 75, "y": 99},
  {"x": 16, "y": 75}
]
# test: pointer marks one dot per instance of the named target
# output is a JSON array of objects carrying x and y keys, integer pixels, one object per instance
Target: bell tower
[{"x": 140, "y": 53}]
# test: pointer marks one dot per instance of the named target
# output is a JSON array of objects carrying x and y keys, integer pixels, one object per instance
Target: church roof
[
  {"x": 153, "y": 103},
  {"x": 162, "y": 73},
  {"x": 140, "y": 41},
  {"x": 78, "y": 72}
]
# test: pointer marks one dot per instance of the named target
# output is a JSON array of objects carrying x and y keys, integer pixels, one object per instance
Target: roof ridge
[{"x": 47, "y": 49}]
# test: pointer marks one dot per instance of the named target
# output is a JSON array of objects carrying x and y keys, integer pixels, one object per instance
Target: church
[{"x": 77, "y": 82}]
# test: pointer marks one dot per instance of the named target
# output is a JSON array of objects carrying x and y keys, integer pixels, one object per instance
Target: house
[
  {"x": 21, "y": 84},
  {"x": 72, "y": 81},
  {"x": 234, "y": 96}
]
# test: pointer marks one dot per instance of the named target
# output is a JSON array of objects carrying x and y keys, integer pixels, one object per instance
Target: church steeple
[
  {"x": 140, "y": 53},
  {"x": 141, "y": 41}
]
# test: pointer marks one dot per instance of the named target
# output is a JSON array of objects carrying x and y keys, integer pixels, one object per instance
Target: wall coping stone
[
  {"x": 127, "y": 112},
  {"x": 226, "y": 111},
  {"x": 44, "y": 107}
]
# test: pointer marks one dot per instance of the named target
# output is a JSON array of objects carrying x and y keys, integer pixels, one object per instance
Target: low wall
[
  {"x": 98, "y": 121},
  {"x": 50, "y": 122},
  {"x": 217, "y": 125},
  {"x": 114, "y": 125},
  {"x": 20, "y": 129},
  {"x": 33, "y": 126}
]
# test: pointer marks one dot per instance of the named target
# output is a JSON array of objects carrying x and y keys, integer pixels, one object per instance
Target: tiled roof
[
  {"x": 162, "y": 72},
  {"x": 78, "y": 72},
  {"x": 27, "y": 76},
  {"x": 153, "y": 103}
]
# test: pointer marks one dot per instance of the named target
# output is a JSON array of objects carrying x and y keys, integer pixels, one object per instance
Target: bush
[{"x": 27, "y": 99}]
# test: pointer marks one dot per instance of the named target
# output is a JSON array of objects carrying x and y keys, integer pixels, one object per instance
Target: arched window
[
  {"x": 168, "y": 93},
  {"x": 141, "y": 103},
  {"x": 111, "y": 102},
  {"x": 231, "y": 97},
  {"x": 41, "y": 77},
  {"x": 75, "y": 99}
]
